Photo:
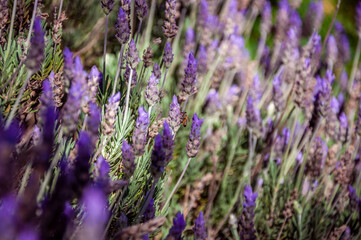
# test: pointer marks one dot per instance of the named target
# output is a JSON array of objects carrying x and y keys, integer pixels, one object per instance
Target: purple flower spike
[
  {"x": 156, "y": 71},
  {"x": 111, "y": 115},
  {"x": 314, "y": 17},
  {"x": 266, "y": 18},
  {"x": 168, "y": 142},
  {"x": 199, "y": 230},
  {"x": 96, "y": 214},
  {"x": 134, "y": 77},
  {"x": 127, "y": 160},
  {"x": 35, "y": 55},
  {"x": 170, "y": 27},
  {"x": 189, "y": 39},
  {"x": 47, "y": 96},
  {"x": 358, "y": 19},
  {"x": 158, "y": 158},
  {"x": 94, "y": 78},
  {"x": 132, "y": 55},
  {"x": 71, "y": 109},
  {"x": 203, "y": 60},
  {"x": 253, "y": 115},
  {"x": 174, "y": 115},
  {"x": 152, "y": 91},
  {"x": 122, "y": 28},
  {"x": 332, "y": 50},
  {"x": 178, "y": 227},
  {"x": 149, "y": 213},
  {"x": 194, "y": 141},
  {"x": 141, "y": 9},
  {"x": 188, "y": 86},
  {"x": 107, "y": 6},
  {"x": 203, "y": 13},
  {"x": 323, "y": 97},
  {"x": 344, "y": 131},
  {"x": 102, "y": 169},
  {"x": 246, "y": 221},
  {"x": 277, "y": 96},
  {"x": 140, "y": 132},
  {"x": 168, "y": 55},
  {"x": 94, "y": 122}
]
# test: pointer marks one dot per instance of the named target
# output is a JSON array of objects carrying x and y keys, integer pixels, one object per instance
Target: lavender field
[{"x": 180, "y": 119}]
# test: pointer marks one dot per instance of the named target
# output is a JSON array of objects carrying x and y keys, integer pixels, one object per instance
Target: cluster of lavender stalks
[{"x": 84, "y": 155}]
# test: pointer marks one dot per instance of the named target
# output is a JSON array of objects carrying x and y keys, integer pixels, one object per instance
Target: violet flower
[
  {"x": 122, "y": 29},
  {"x": 168, "y": 55},
  {"x": 151, "y": 91},
  {"x": 314, "y": 17},
  {"x": 358, "y": 19},
  {"x": 158, "y": 158},
  {"x": 93, "y": 122},
  {"x": 35, "y": 55},
  {"x": 110, "y": 116},
  {"x": 141, "y": 9},
  {"x": 107, "y": 6},
  {"x": 266, "y": 18},
  {"x": 134, "y": 77},
  {"x": 179, "y": 224},
  {"x": 156, "y": 71},
  {"x": 127, "y": 160},
  {"x": 246, "y": 220},
  {"x": 149, "y": 213},
  {"x": 188, "y": 86},
  {"x": 140, "y": 132},
  {"x": 194, "y": 141},
  {"x": 170, "y": 27},
  {"x": 323, "y": 97},
  {"x": 253, "y": 115},
  {"x": 343, "y": 130},
  {"x": 174, "y": 115},
  {"x": 199, "y": 230},
  {"x": 94, "y": 78},
  {"x": 277, "y": 95},
  {"x": 332, "y": 50},
  {"x": 132, "y": 55},
  {"x": 168, "y": 142},
  {"x": 202, "y": 60}
]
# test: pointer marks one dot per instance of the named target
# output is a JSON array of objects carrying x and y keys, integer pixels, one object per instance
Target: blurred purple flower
[
  {"x": 156, "y": 71},
  {"x": 35, "y": 55},
  {"x": 107, "y": 6},
  {"x": 122, "y": 29},
  {"x": 127, "y": 160},
  {"x": 110, "y": 117},
  {"x": 266, "y": 18},
  {"x": 194, "y": 141},
  {"x": 199, "y": 230},
  {"x": 149, "y": 213},
  {"x": 141, "y": 9},
  {"x": 168, "y": 55},
  {"x": 343, "y": 130},
  {"x": 151, "y": 91},
  {"x": 246, "y": 220},
  {"x": 178, "y": 227},
  {"x": 174, "y": 115},
  {"x": 140, "y": 132},
  {"x": 253, "y": 115},
  {"x": 188, "y": 86},
  {"x": 132, "y": 55}
]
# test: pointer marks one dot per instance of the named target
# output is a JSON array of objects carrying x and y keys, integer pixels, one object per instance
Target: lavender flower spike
[
  {"x": 140, "y": 132},
  {"x": 188, "y": 86},
  {"x": 36, "y": 51},
  {"x": 174, "y": 115},
  {"x": 332, "y": 51},
  {"x": 194, "y": 141},
  {"x": 199, "y": 230},
  {"x": 107, "y": 6},
  {"x": 141, "y": 9},
  {"x": 358, "y": 19},
  {"x": 94, "y": 78},
  {"x": 246, "y": 221},
  {"x": 158, "y": 158},
  {"x": 111, "y": 115},
  {"x": 132, "y": 55},
  {"x": 168, "y": 142},
  {"x": 168, "y": 55},
  {"x": 156, "y": 71},
  {"x": 127, "y": 160},
  {"x": 179, "y": 224},
  {"x": 253, "y": 115},
  {"x": 343, "y": 130},
  {"x": 122, "y": 28},
  {"x": 170, "y": 28},
  {"x": 151, "y": 91}
]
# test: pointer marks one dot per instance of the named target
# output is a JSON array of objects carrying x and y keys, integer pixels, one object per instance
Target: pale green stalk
[
  {"x": 11, "y": 29},
  {"x": 128, "y": 95},
  {"x": 120, "y": 62},
  {"x": 31, "y": 25},
  {"x": 105, "y": 45},
  {"x": 25, "y": 179},
  {"x": 354, "y": 64},
  {"x": 176, "y": 186}
]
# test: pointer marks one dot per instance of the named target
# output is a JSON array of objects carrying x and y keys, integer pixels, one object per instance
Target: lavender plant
[{"x": 272, "y": 151}]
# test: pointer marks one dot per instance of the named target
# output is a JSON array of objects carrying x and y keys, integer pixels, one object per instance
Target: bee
[{"x": 184, "y": 117}]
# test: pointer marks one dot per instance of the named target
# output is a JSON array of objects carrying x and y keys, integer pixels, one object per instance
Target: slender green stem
[
  {"x": 176, "y": 186},
  {"x": 128, "y": 94},
  {"x": 149, "y": 111},
  {"x": 164, "y": 77},
  {"x": 18, "y": 99},
  {"x": 31, "y": 25},
  {"x": 60, "y": 8},
  {"x": 25, "y": 178},
  {"x": 138, "y": 32},
  {"x": 119, "y": 69},
  {"x": 148, "y": 31},
  {"x": 11, "y": 28}
]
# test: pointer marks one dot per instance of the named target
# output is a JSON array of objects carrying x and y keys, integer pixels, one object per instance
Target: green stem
[
  {"x": 176, "y": 186},
  {"x": 105, "y": 45},
  {"x": 11, "y": 29},
  {"x": 31, "y": 25},
  {"x": 354, "y": 65},
  {"x": 128, "y": 94},
  {"x": 120, "y": 63},
  {"x": 25, "y": 178}
]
